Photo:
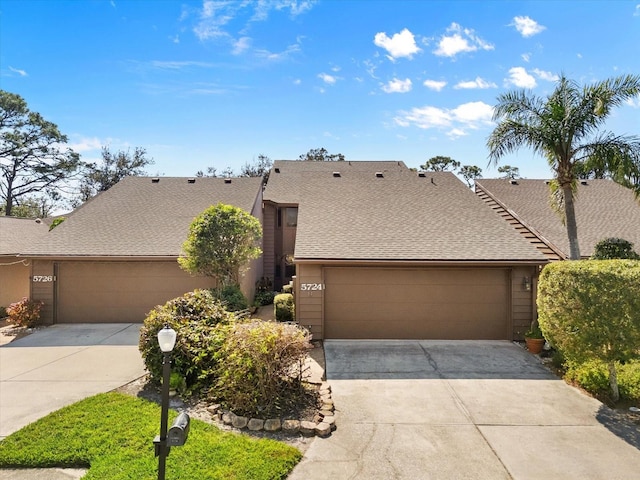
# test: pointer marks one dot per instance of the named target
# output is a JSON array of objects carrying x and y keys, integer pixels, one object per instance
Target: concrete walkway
[{"x": 461, "y": 410}]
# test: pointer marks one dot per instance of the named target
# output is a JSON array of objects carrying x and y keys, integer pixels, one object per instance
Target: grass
[{"x": 112, "y": 434}]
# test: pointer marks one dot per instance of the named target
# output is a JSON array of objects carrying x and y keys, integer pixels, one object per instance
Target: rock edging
[{"x": 322, "y": 425}]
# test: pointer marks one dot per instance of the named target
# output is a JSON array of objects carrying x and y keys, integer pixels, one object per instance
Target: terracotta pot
[{"x": 534, "y": 345}]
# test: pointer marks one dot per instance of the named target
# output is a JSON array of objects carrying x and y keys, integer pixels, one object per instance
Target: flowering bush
[{"x": 25, "y": 313}]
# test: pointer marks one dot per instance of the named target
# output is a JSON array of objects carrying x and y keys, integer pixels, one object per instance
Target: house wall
[
  {"x": 15, "y": 280},
  {"x": 523, "y": 300},
  {"x": 268, "y": 241},
  {"x": 43, "y": 282},
  {"x": 310, "y": 303},
  {"x": 252, "y": 273}
]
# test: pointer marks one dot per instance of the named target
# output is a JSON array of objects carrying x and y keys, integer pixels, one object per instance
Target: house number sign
[
  {"x": 311, "y": 287},
  {"x": 43, "y": 278}
]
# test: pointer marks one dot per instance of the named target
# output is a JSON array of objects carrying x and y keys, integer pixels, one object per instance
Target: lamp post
[{"x": 166, "y": 340}]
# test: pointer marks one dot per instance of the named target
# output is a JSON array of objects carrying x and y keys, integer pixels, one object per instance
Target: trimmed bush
[
  {"x": 593, "y": 376},
  {"x": 194, "y": 316},
  {"x": 24, "y": 313},
  {"x": 591, "y": 310},
  {"x": 231, "y": 297},
  {"x": 264, "y": 298},
  {"x": 260, "y": 367},
  {"x": 284, "y": 307},
  {"x": 612, "y": 248}
]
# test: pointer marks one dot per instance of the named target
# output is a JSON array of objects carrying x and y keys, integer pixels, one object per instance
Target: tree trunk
[
  {"x": 613, "y": 382},
  {"x": 570, "y": 219}
]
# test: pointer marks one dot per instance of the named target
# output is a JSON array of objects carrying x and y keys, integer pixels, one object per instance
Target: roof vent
[
  {"x": 37, "y": 220},
  {"x": 379, "y": 175},
  {"x": 583, "y": 182},
  {"x": 336, "y": 174},
  {"x": 432, "y": 181},
  {"x": 227, "y": 180},
  {"x": 155, "y": 180},
  {"x": 547, "y": 182},
  {"x": 191, "y": 180},
  {"x": 277, "y": 170},
  {"x": 513, "y": 182}
]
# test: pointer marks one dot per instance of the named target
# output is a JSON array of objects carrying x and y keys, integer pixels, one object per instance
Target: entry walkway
[{"x": 461, "y": 410}]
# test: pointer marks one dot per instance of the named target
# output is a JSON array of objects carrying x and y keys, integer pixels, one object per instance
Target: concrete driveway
[
  {"x": 461, "y": 410},
  {"x": 61, "y": 364}
]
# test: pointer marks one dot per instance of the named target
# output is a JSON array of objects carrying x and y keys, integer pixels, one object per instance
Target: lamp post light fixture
[{"x": 166, "y": 340}]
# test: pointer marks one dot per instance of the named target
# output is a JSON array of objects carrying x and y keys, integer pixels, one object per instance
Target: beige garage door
[
  {"x": 118, "y": 292},
  {"x": 416, "y": 303}
]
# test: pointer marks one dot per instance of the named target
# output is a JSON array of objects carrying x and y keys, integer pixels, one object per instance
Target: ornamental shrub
[
  {"x": 24, "y": 313},
  {"x": 195, "y": 317},
  {"x": 284, "y": 307},
  {"x": 264, "y": 298},
  {"x": 231, "y": 297},
  {"x": 593, "y": 376},
  {"x": 590, "y": 310},
  {"x": 260, "y": 367},
  {"x": 612, "y": 248}
]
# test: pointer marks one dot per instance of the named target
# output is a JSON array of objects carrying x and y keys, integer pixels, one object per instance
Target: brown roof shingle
[
  {"x": 603, "y": 209},
  {"x": 399, "y": 216},
  {"x": 140, "y": 217},
  {"x": 16, "y": 234}
]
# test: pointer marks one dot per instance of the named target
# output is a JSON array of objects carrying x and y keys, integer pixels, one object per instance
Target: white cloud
[
  {"x": 633, "y": 102},
  {"x": 20, "y": 72},
  {"x": 519, "y": 77},
  {"x": 636, "y": 12},
  {"x": 241, "y": 45},
  {"x": 84, "y": 144},
  {"x": 548, "y": 76},
  {"x": 278, "y": 56},
  {"x": 456, "y": 121},
  {"x": 434, "y": 84},
  {"x": 460, "y": 40},
  {"x": 477, "y": 83},
  {"x": 178, "y": 65},
  {"x": 400, "y": 45},
  {"x": 297, "y": 81},
  {"x": 326, "y": 78},
  {"x": 527, "y": 26},
  {"x": 398, "y": 86},
  {"x": 526, "y": 57}
]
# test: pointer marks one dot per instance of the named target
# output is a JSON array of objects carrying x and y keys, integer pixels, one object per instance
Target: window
[{"x": 292, "y": 216}]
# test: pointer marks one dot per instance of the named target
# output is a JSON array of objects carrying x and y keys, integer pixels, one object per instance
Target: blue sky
[{"x": 204, "y": 83}]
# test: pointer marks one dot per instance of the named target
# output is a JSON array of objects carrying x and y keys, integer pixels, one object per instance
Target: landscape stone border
[{"x": 323, "y": 423}]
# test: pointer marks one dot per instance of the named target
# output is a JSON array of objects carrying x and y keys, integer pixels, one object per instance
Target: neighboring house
[
  {"x": 15, "y": 272},
  {"x": 603, "y": 209},
  {"x": 381, "y": 251},
  {"x": 115, "y": 257}
]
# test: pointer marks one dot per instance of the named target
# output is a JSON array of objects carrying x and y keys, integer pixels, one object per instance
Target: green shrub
[
  {"x": 194, "y": 316},
  {"x": 284, "y": 307},
  {"x": 591, "y": 310},
  {"x": 3, "y": 312},
  {"x": 24, "y": 313},
  {"x": 612, "y": 248},
  {"x": 231, "y": 297},
  {"x": 264, "y": 298},
  {"x": 593, "y": 376},
  {"x": 260, "y": 366}
]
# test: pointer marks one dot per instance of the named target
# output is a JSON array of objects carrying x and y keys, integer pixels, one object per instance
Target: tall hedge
[{"x": 591, "y": 310}]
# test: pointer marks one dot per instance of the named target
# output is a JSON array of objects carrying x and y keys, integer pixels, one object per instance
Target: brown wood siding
[
  {"x": 44, "y": 291},
  {"x": 437, "y": 303},
  {"x": 119, "y": 292},
  {"x": 522, "y": 300},
  {"x": 309, "y": 304},
  {"x": 268, "y": 241},
  {"x": 15, "y": 280}
]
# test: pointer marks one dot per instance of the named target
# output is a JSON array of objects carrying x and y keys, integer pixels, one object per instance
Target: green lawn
[{"x": 112, "y": 435}]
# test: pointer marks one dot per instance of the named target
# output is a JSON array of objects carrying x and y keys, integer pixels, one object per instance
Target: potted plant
[{"x": 534, "y": 339}]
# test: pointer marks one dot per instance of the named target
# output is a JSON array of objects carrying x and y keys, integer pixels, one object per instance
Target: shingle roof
[
  {"x": 288, "y": 178},
  {"x": 399, "y": 216},
  {"x": 140, "y": 217},
  {"x": 17, "y": 233},
  {"x": 603, "y": 209}
]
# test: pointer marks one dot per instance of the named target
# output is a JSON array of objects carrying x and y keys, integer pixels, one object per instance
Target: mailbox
[{"x": 179, "y": 431}]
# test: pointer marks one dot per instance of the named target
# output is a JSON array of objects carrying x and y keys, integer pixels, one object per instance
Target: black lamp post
[{"x": 166, "y": 340}]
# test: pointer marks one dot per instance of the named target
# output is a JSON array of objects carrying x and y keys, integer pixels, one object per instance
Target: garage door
[
  {"x": 416, "y": 303},
  {"x": 118, "y": 292}
]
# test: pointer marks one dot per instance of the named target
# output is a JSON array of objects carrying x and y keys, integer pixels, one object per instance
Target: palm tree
[{"x": 565, "y": 128}]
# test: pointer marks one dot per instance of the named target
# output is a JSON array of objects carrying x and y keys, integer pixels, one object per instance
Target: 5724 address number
[{"x": 311, "y": 287}]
